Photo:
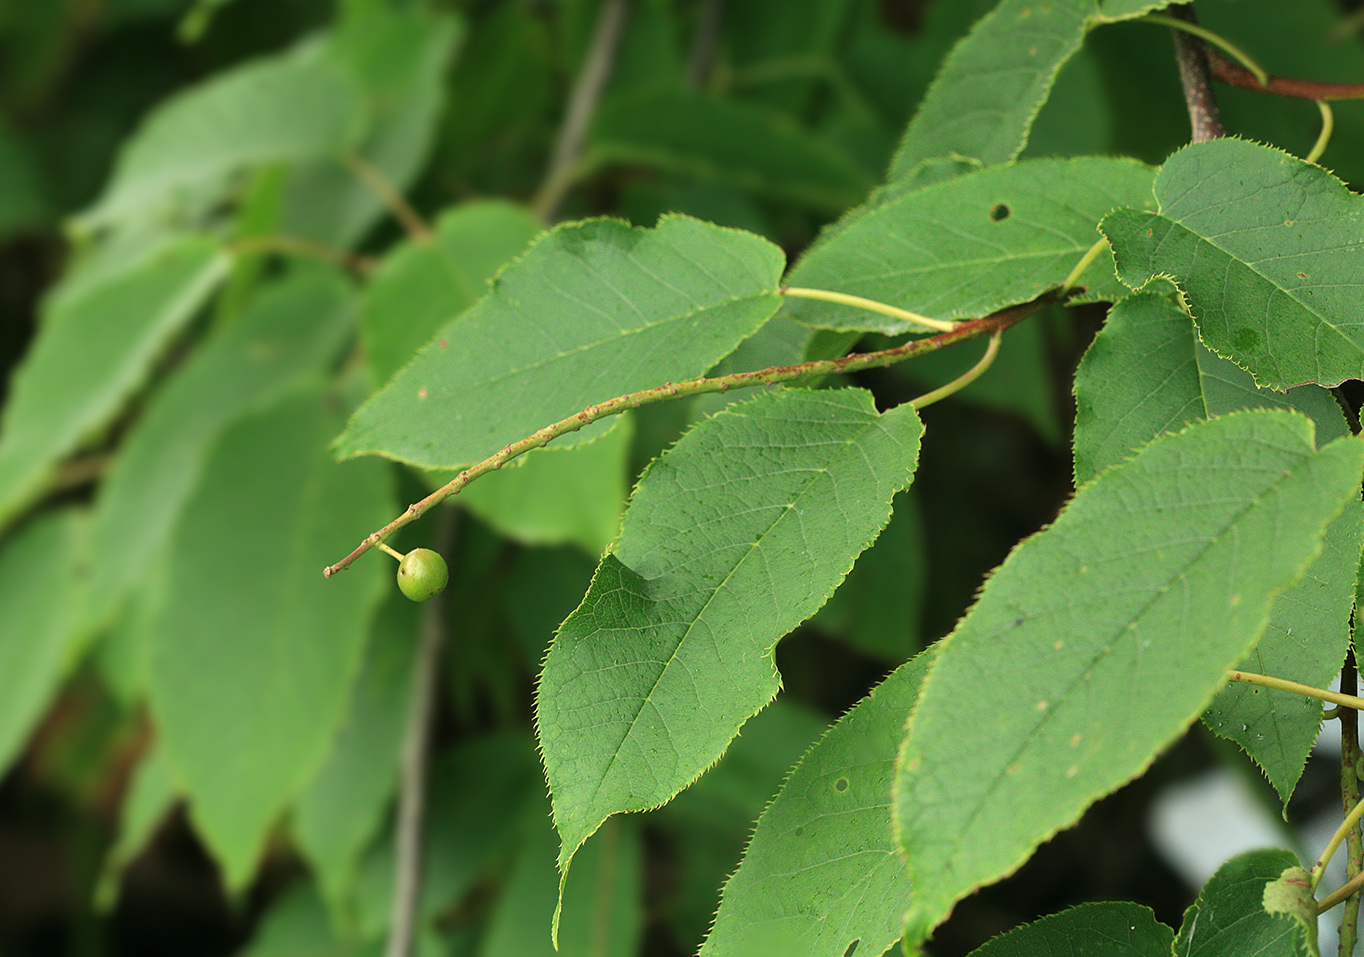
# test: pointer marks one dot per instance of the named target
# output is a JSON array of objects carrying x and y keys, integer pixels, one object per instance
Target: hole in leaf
[
  {"x": 1000, "y": 213},
  {"x": 841, "y": 784},
  {"x": 852, "y": 948}
]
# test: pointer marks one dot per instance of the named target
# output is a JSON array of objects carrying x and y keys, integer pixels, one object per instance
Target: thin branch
[
  {"x": 402, "y": 211},
  {"x": 407, "y": 883},
  {"x": 1234, "y": 74},
  {"x": 582, "y": 104},
  {"x": 971, "y": 329},
  {"x": 1194, "y": 76}
]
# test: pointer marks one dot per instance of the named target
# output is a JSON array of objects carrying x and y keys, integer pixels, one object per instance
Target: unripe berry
[{"x": 422, "y": 574}]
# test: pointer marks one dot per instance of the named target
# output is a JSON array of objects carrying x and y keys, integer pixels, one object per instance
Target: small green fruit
[{"x": 422, "y": 574}]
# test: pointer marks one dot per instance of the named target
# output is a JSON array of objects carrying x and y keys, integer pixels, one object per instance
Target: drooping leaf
[
  {"x": 1108, "y": 929},
  {"x": 733, "y": 538},
  {"x": 1306, "y": 641},
  {"x": 342, "y": 809},
  {"x": 1266, "y": 249},
  {"x": 966, "y": 247},
  {"x": 288, "y": 334},
  {"x": 421, "y": 286},
  {"x": 556, "y": 496},
  {"x": 43, "y": 580},
  {"x": 593, "y": 310},
  {"x": 253, "y": 653},
  {"x": 991, "y": 86},
  {"x": 400, "y": 58},
  {"x": 1147, "y": 373},
  {"x": 279, "y": 110},
  {"x": 823, "y": 874},
  {"x": 727, "y": 140},
  {"x": 92, "y": 352},
  {"x": 1116, "y": 624},
  {"x": 1259, "y": 902}
]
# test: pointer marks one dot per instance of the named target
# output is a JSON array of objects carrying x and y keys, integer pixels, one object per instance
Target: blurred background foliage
[{"x": 769, "y": 115}]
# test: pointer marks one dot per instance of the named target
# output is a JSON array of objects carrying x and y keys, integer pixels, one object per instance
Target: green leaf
[
  {"x": 1306, "y": 641},
  {"x": 291, "y": 332},
  {"x": 732, "y": 539},
  {"x": 43, "y": 571},
  {"x": 557, "y": 496},
  {"x": 1259, "y": 902},
  {"x": 823, "y": 873},
  {"x": 757, "y": 149},
  {"x": 283, "y": 109},
  {"x": 342, "y": 809},
  {"x": 400, "y": 58},
  {"x": 1116, "y": 624},
  {"x": 1147, "y": 373},
  {"x": 969, "y": 246},
  {"x": 92, "y": 352},
  {"x": 1109, "y": 929},
  {"x": 603, "y": 909},
  {"x": 991, "y": 86},
  {"x": 421, "y": 286},
  {"x": 254, "y": 653},
  {"x": 1266, "y": 249},
  {"x": 593, "y": 310}
]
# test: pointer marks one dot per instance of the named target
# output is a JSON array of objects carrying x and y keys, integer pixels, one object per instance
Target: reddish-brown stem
[
  {"x": 1233, "y": 74},
  {"x": 970, "y": 329}
]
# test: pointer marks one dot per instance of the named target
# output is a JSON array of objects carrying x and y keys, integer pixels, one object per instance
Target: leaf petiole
[
  {"x": 962, "y": 381},
  {"x": 1328, "y": 125},
  {"x": 1346, "y": 826},
  {"x": 1281, "y": 684},
  {"x": 871, "y": 305},
  {"x": 1085, "y": 262}
]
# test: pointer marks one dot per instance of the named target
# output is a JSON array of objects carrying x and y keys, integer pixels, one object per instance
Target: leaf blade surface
[{"x": 1116, "y": 625}]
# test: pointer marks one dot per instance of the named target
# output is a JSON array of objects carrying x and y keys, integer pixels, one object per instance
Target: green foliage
[
  {"x": 305, "y": 286},
  {"x": 1282, "y": 239},
  {"x": 1258, "y": 902}
]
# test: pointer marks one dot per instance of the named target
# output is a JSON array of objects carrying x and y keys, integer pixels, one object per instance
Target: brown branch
[
  {"x": 990, "y": 325},
  {"x": 1234, "y": 74},
  {"x": 1191, "y": 55}
]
